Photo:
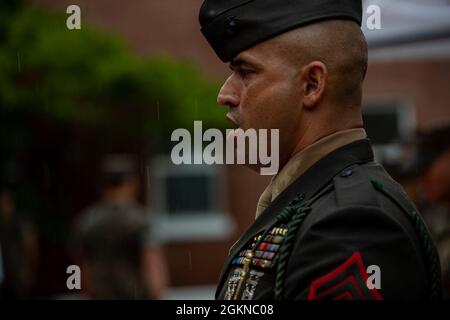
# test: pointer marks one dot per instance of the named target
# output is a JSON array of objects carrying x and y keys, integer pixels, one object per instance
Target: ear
[{"x": 315, "y": 78}]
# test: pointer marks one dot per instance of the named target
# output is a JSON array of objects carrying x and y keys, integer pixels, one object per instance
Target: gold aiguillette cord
[{"x": 244, "y": 274}]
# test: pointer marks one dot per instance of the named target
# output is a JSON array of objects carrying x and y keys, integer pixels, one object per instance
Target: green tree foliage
[
  {"x": 56, "y": 83},
  {"x": 89, "y": 78}
]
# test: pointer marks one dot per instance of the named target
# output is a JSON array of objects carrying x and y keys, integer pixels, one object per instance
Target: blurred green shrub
[
  {"x": 85, "y": 77},
  {"x": 56, "y": 83}
]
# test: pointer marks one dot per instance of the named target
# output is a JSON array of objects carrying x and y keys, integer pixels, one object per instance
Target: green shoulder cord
[
  {"x": 432, "y": 260},
  {"x": 293, "y": 216}
]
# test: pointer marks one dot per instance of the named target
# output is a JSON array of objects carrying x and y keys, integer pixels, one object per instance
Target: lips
[{"x": 232, "y": 120}]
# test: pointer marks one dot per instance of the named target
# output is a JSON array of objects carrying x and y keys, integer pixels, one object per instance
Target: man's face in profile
[{"x": 263, "y": 92}]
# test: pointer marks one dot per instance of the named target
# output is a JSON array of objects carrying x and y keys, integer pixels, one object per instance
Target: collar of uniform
[
  {"x": 315, "y": 178},
  {"x": 303, "y": 160}
]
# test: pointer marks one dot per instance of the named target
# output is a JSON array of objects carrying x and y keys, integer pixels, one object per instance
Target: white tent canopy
[{"x": 409, "y": 29}]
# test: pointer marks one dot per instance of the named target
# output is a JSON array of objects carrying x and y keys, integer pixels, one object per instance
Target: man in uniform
[{"x": 332, "y": 224}]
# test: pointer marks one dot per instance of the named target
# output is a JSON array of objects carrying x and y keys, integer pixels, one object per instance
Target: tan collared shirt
[{"x": 303, "y": 160}]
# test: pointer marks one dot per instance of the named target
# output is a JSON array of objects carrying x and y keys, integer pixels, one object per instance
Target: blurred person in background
[
  {"x": 18, "y": 250},
  {"x": 120, "y": 257},
  {"x": 423, "y": 168},
  {"x": 432, "y": 164}
]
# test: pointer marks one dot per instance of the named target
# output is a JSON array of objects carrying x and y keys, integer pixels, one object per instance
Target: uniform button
[
  {"x": 299, "y": 198},
  {"x": 346, "y": 173}
]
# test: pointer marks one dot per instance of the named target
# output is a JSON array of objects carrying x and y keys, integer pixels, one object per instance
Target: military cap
[
  {"x": 235, "y": 25},
  {"x": 115, "y": 168}
]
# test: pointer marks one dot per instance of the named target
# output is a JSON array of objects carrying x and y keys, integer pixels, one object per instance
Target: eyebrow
[{"x": 241, "y": 62}]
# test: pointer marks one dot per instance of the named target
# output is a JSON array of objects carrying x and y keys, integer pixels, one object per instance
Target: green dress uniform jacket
[{"x": 343, "y": 230}]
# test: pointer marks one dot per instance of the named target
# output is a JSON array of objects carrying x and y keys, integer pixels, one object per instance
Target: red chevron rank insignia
[{"x": 346, "y": 282}]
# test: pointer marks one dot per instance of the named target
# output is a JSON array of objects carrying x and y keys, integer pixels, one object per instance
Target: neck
[{"x": 314, "y": 133}]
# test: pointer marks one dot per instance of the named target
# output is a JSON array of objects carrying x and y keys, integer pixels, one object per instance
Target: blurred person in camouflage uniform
[
  {"x": 121, "y": 259},
  {"x": 423, "y": 169},
  {"x": 433, "y": 167},
  {"x": 18, "y": 249}
]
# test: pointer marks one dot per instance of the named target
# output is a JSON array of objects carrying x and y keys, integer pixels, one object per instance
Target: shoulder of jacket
[{"x": 353, "y": 187}]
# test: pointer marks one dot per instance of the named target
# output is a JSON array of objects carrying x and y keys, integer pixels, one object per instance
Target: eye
[{"x": 244, "y": 72}]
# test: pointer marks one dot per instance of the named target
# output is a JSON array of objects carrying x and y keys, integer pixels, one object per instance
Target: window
[
  {"x": 189, "y": 200},
  {"x": 388, "y": 125}
]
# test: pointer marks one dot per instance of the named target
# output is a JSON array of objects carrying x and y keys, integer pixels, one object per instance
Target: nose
[{"x": 229, "y": 93}]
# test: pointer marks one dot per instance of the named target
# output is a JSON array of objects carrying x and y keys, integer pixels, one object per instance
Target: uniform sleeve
[
  {"x": 355, "y": 253},
  {"x": 150, "y": 234}
]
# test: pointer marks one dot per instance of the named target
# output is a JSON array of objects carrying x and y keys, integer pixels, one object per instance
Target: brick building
[{"x": 408, "y": 80}]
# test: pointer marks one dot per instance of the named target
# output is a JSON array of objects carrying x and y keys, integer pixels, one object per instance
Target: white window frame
[
  {"x": 406, "y": 124},
  {"x": 215, "y": 224}
]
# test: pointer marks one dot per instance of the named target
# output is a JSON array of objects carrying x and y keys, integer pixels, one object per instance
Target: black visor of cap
[{"x": 232, "y": 26}]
